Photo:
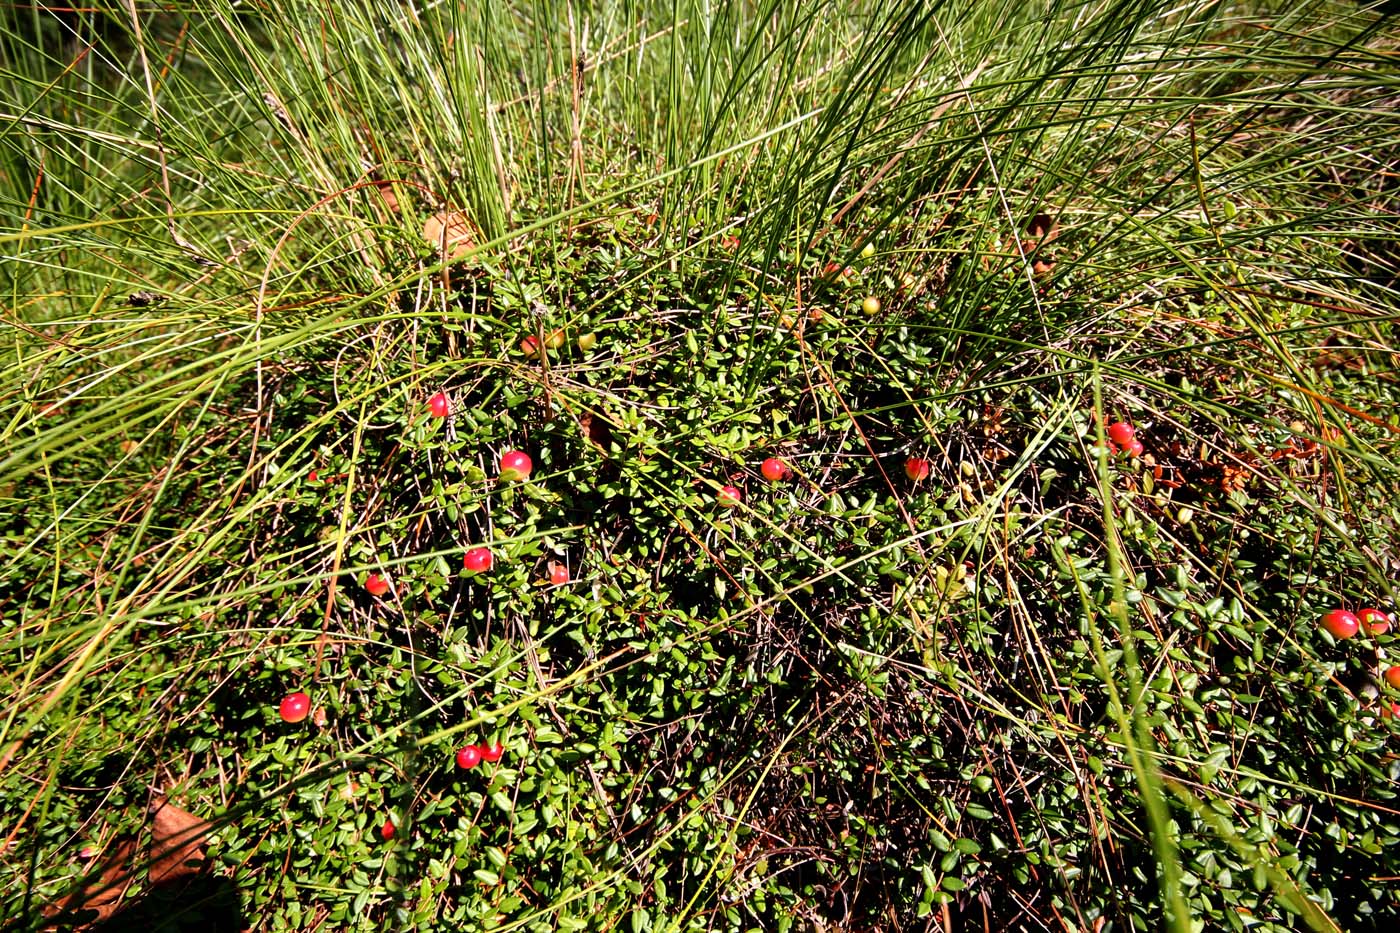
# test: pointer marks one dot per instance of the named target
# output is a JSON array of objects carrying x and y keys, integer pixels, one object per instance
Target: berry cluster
[
  {"x": 1342, "y": 624},
  {"x": 516, "y": 466},
  {"x": 1122, "y": 439},
  {"x": 469, "y": 756}
]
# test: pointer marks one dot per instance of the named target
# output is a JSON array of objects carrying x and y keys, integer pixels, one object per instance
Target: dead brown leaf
[
  {"x": 1043, "y": 228},
  {"x": 1040, "y": 231},
  {"x": 596, "y": 430},
  {"x": 176, "y": 854},
  {"x": 101, "y": 896},
  {"x": 177, "y": 843},
  {"x": 451, "y": 233},
  {"x": 386, "y": 192}
]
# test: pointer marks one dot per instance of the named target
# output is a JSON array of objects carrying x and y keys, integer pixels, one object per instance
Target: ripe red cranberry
[
  {"x": 438, "y": 405},
  {"x": 774, "y": 470},
  {"x": 477, "y": 560},
  {"x": 917, "y": 469},
  {"x": 376, "y": 584},
  {"x": 1340, "y": 623},
  {"x": 468, "y": 757},
  {"x": 515, "y": 466},
  {"x": 729, "y": 496},
  {"x": 294, "y": 707},
  {"x": 1373, "y": 621},
  {"x": 492, "y": 751},
  {"x": 1120, "y": 432}
]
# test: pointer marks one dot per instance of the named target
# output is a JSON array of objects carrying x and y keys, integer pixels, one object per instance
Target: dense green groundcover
[{"x": 1048, "y": 686}]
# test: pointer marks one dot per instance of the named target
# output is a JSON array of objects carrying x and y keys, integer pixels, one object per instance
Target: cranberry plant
[{"x": 701, "y": 466}]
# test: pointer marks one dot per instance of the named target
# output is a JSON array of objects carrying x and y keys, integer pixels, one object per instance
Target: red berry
[
  {"x": 1389, "y": 710},
  {"x": 438, "y": 406},
  {"x": 774, "y": 470},
  {"x": 1340, "y": 623},
  {"x": 558, "y": 573},
  {"x": 1373, "y": 621},
  {"x": 1392, "y": 676},
  {"x": 294, "y": 707},
  {"x": 530, "y": 346},
  {"x": 376, "y": 584},
  {"x": 493, "y": 751},
  {"x": 313, "y": 476},
  {"x": 917, "y": 469},
  {"x": 729, "y": 496},
  {"x": 477, "y": 560},
  {"x": 834, "y": 270},
  {"x": 515, "y": 466},
  {"x": 1120, "y": 432},
  {"x": 1133, "y": 448},
  {"x": 386, "y": 832},
  {"x": 468, "y": 757}
]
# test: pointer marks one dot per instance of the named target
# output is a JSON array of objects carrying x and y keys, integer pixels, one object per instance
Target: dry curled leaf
[
  {"x": 991, "y": 419},
  {"x": 596, "y": 430},
  {"x": 1043, "y": 228},
  {"x": 1230, "y": 478},
  {"x": 1040, "y": 230}
]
